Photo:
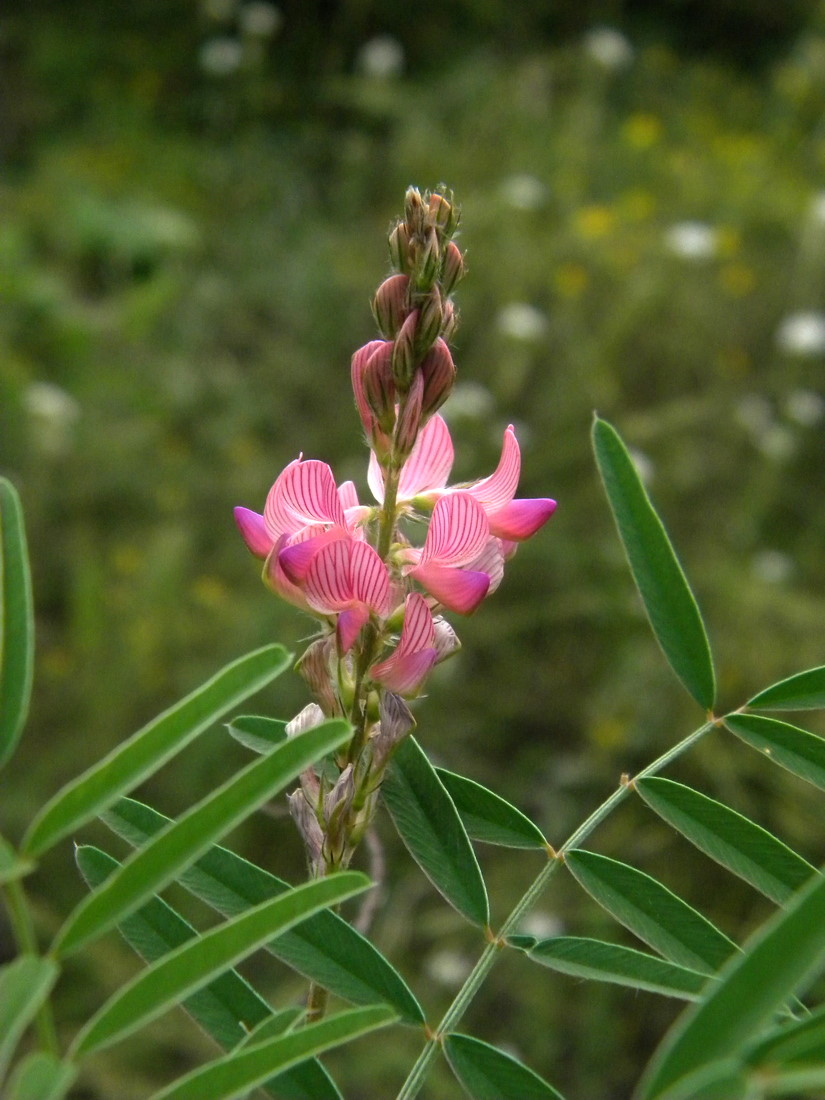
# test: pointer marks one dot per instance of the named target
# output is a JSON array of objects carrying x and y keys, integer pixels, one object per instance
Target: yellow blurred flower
[
  {"x": 570, "y": 279},
  {"x": 737, "y": 279},
  {"x": 595, "y": 221},
  {"x": 641, "y": 130}
]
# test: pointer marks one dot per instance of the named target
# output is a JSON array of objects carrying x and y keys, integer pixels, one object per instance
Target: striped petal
[
  {"x": 370, "y": 579},
  {"x": 405, "y": 674},
  {"x": 457, "y": 533},
  {"x": 253, "y": 530},
  {"x": 349, "y": 626},
  {"x": 304, "y": 493},
  {"x": 520, "y": 519},
  {"x": 344, "y": 573},
  {"x": 430, "y": 461},
  {"x": 297, "y": 553},
  {"x": 460, "y": 590},
  {"x": 493, "y": 492}
]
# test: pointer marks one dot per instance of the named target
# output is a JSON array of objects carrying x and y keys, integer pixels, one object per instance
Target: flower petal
[
  {"x": 349, "y": 626},
  {"x": 253, "y": 530},
  {"x": 457, "y": 533},
  {"x": 418, "y": 631},
  {"x": 493, "y": 492},
  {"x": 405, "y": 674},
  {"x": 297, "y": 553},
  {"x": 520, "y": 519},
  {"x": 303, "y": 494},
  {"x": 460, "y": 590},
  {"x": 430, "y": 461},
  {"x": 370, "y": 579}
]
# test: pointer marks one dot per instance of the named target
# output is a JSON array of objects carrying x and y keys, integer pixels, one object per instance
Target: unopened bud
[
  {"x": 379, "y": 385},
  {"x": 391, "y": 305},
  {"x": 400, "y": 249},
  {"x": 443, "y": 214},
  {"x": 409, "y": 419},
  {"x": 396, "y": 723},
  {"x": 449, "y": 321},
  {"x": 413, "y": 210},
  {"x": 403, "y": 353},
  {"x": 438, "y": 372},
  {"x": 430, "y": 320},
  {"x": 309, "y": 717},
  {"x": 359, "y": 363},
  {"x": 428, "y": 261},
  {"x": 446, "y": 641},
  {"x": 304, "y": 817},
  {"x": 452, "y": 270},
  {"x": 340, "y": 795},
  {"x": 315, "y": 668}
]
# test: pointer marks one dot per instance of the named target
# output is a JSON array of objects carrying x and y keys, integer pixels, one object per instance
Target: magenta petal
[
  {"x": 349, "y": 625},
  {"x": 418, "y": 631},
  {"x": 520, "y": 519},
  {"x": 370, "y": 581},
  {"x": 296, "y": 558},
  {"x": 305, "y": 493},
  {"x": 328, "y": 581},
  {"x": 499, "y": 488},
  {"x": 404, "y": 674},
  {"x": 430, "y": 461},
  {"x": 460, "y": 590},
  {"x": 253, "y": 530}
]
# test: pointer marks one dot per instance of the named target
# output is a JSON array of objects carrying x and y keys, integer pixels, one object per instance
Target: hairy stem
[{"x": 482, "y": 968}]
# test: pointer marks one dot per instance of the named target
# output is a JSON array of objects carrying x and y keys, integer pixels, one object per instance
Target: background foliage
[{"x": 191, "y": 225}]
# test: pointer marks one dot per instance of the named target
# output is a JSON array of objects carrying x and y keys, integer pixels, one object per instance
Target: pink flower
[
  {"x": 344, "y": 577},
  {"x": 407, "y": 666},
  {"x": 425, "y": 474},
  {"x": 458, "y": 540}
]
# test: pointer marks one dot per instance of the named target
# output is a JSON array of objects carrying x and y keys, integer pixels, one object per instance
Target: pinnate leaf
[
  {"x": 667, "y": 598},
  {"x": 153, "y": 867},
  {"x": 247, "y": 1068},
  {"x": 428, "y": 823},
  {"x": 651, "y": 911},
  {"x": 488, "y": 817},
  {"x": 323, "y": 948},
  {"x": 16, "y": 622},
  {"x": 804, "y": 691},
  {"x": 487, "y": 1073},
  {"x": 798, "y": 750},
  {"x": 194, "y": 964},
  {"x": 610, "y": 962},
  {"x": 781, "y": 959},
  {"x": 746, "y": 849},
  {"x": 133, "y": 761}
]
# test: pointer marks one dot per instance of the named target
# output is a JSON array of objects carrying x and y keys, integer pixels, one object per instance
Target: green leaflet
[
  {"x": 25, "y": 984},
  {"x": 136, "y": 759},
  {"x": 799, "y": 751},
  {"x": 427, "y": 821},
  {"x": 804, "y": 691},
  {"x": 651, "y": 911},
  {"x": 324, "y": 948},
  {"x": 259, "y": 734},
  {"x": 486, "y": 1073},
  {"x": 16, "y": 622},
  {"x": 488, "y": 817},
  {"x": 245, "y": 1069},
  {"x": 609, "y": 962},
  {"x": 192, "y": 965},
  {"x": 40, "y": 1077},
  {"x": 746, "y": 849},
  {"x": 153, "y": 867},
  {"x": 667, "y": 598},
  {"x": 781, "y": 959}
]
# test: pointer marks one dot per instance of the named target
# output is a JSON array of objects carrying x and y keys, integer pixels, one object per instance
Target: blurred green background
[{"x": 194, "y": 203}]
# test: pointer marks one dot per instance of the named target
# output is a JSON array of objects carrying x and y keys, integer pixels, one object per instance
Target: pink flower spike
[
  {"x": 405, "y": 669},
  {"x": 253, "y": 530},
  {"x": 304, "y": 493},
  {"x": 520, "y": 519}
]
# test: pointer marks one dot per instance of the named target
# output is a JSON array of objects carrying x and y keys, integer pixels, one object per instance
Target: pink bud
[
  {"x": 391, "y": 305},
  {"x": 429, "y": 322},
  {"x": 400, "y": 249},
  {"x": 438, "y": 371},
  {"x": 403, "y": 353},
  {"x": 453, "y": 268},
  {"x": 379, "y": 386},
  {"x": 409, "y": 420},
  {"x": 443, "y": 214}
]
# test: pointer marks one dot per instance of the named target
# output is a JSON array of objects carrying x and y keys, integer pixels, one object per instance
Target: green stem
[
  {"x": 23, "y": 929},
  {"x": 482, "y": 968}
]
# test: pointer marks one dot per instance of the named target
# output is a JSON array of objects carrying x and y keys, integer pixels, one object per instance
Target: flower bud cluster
[{"x": 378, "y": 596}]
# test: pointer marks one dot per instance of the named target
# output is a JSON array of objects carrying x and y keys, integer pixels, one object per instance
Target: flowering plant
[{"x": 381, "y": 581}]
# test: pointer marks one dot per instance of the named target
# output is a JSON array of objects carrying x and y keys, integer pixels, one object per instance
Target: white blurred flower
[
  {"x": 755, "y": 413},
  {"x": 381, "y": 58},
  {"x": 692, "y": 240},
  {"x": 777, "y": 443},
  {"x": 772, "y": 567},
  {"x": 524, "y": 192},
  {"x": 468, "y": 401},
  {"x": 541, "y": 925},
  {"x": 608, "y": 47},
  {"x": 806, "y": 407},
  {"x": 53, "y": 413},
  {"x": 260, "y": 20},
  {"x": 521, "y": 321},
  {"x": 448, "y": 968},
  {"x": 220, "y": 56},
  {"x": 802, "y": 333}
]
